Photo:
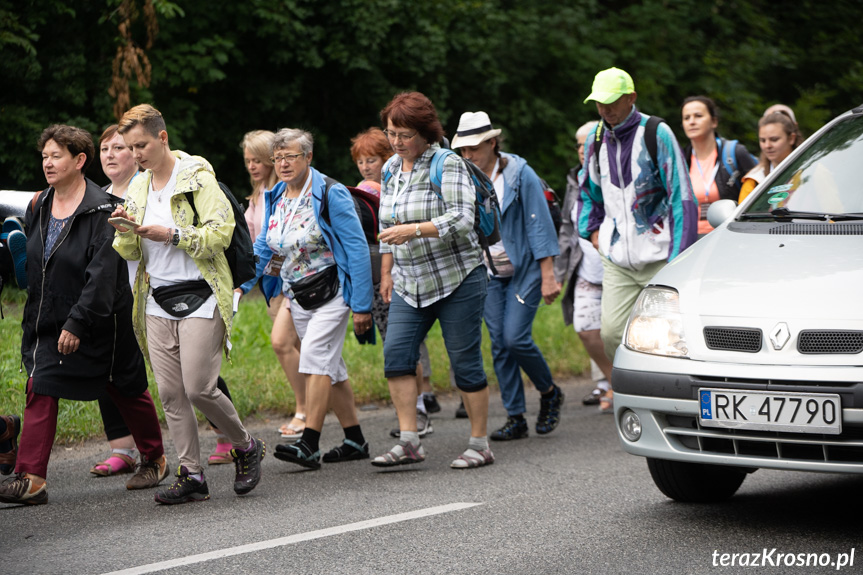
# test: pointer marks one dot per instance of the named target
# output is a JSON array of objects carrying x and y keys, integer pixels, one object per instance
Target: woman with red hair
[{"x": 432, "y": 270}]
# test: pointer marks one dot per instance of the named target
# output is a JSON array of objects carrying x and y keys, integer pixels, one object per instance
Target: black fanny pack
[
  {"x": 314, "y": 291},
  {"x": 182, "y": 299}
]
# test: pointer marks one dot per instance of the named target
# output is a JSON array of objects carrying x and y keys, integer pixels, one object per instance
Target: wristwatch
[
  {"x": 419, "y": 233},
  {"x": 176, "y": 237}
]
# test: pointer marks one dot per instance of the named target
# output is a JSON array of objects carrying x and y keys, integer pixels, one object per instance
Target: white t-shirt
[
  {"x": 168, "y": 265},
  {"x": 590, "y": 266}
]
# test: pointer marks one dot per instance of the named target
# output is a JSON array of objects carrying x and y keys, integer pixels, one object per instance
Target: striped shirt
[{"x": 426, "y": 270}]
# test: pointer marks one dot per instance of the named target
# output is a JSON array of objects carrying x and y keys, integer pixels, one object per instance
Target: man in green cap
[{"x": 635, "y": 203}]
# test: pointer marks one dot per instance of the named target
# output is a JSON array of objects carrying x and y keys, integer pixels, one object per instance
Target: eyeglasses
[
  {"x": 399, "y": 137},
  {"x": 288, "y": 159}
]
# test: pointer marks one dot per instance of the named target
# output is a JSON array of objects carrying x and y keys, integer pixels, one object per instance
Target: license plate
[{"x": 770, "y": 411}]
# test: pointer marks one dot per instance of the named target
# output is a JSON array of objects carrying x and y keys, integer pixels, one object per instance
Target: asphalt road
[{"x": 569, "y": 502}]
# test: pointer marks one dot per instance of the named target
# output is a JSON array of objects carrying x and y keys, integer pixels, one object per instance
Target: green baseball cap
[{"x": 609, "y": 85}]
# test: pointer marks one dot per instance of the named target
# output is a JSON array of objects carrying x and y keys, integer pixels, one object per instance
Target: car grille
[
  {"x": 685, "y": 433},
  {"x": 839, "y": 229},
  {"x": 823, "y": 342},
  {"x": 733, "y": 339}
]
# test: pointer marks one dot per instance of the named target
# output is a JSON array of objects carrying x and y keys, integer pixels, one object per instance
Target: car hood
[{"x": 759, "y": 275}]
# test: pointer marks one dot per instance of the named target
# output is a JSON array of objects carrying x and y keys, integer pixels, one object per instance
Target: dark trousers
[{"x": 40, "y": 427}]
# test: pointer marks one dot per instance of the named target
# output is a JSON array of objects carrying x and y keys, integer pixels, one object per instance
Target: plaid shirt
[{"x": 426, "y": 270}]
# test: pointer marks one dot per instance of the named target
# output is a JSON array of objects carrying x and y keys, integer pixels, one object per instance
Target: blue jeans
[
  {"x": 510, "y": 323},
  {"x": 460, "y": 317}
]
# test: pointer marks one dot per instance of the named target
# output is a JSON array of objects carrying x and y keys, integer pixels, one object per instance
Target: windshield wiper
[{"x": 786, "y": 214}]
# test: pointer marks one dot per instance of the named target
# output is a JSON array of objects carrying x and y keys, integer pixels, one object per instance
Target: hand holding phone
[{"x": 123, "y": 224}]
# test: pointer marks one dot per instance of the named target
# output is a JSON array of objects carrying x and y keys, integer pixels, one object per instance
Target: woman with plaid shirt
[{"x": 432, "y": 270}]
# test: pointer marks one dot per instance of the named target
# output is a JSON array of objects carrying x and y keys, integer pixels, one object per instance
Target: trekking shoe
[
  {"x": 461, "y": 412},
  {"x": 549, "y": 411},
  {"x": 424, "y": 426},
  {"x": 472, "y": 458},
  {"x": 402, "y": 454},
  {"x": 184, "y": 489},
  {"x": 294, "y": 453},
  {"x": 430, "y": 401},
  {"x": 11, "y": 224},
  {"x": 17, "y": 243},
  {"x": 9, "y": 443},
  {"x": 20, "y": 489},
  {"x": 592, "y": 398},
  {"x": 247, "y": 464},
  {"x": 514, "y": 428},
  {"x": 148, "y": 473},
  {"x": 347, "y": 451}
]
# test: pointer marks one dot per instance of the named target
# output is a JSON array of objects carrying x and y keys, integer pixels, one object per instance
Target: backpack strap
[
  {"x": 35, "y": 199},
  {"x": 597, "y": 142},
  {"x": 650, "y": 130},
  {"x": 325, "y": 207},
  {"x": 436, "y": 170},
  {"x": 728, "y": 151}
]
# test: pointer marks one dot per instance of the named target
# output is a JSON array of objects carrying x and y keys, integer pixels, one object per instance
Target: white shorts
[
  {"x": 322, "y": 333},
  {"x": 587, "y": 306}
]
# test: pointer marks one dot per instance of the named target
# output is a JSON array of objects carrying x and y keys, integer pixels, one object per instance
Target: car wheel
[{"x": 695, "y": 482}]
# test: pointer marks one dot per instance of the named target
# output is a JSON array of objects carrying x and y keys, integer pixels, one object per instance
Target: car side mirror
[{"x": 719, "y": 211}]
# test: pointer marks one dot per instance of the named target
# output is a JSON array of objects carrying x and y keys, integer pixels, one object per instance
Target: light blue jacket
[
  {"x": 349, "y": 246},
  {"x": 526, "y": 227}
]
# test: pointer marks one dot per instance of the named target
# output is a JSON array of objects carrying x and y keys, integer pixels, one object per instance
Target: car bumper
[{"x": 667, "y": 407}]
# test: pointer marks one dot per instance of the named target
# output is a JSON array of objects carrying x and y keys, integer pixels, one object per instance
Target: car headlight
[{"x": 655, "y": 325}]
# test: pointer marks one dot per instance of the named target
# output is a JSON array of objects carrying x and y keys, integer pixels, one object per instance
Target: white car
[{"x": 746, "y": 351}]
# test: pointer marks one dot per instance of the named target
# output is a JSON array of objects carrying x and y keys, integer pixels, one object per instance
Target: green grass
[{"x": 257, "y": 383}]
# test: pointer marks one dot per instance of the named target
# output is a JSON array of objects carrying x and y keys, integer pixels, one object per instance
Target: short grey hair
[
  {"x": 586, "y": 129},
  {"x": 288, "y": 136}
]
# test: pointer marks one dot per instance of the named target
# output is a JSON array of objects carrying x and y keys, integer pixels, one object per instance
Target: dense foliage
[{"x": 221, "y": 69}]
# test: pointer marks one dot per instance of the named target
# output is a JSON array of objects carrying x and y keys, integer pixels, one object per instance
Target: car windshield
[{"x": 825, "y": 180}]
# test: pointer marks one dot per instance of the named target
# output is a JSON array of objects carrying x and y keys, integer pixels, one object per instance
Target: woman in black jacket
[{"x": 78, "y": 341}]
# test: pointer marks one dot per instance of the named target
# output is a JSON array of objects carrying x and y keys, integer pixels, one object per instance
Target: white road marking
[{"x": 290, "y": 540}]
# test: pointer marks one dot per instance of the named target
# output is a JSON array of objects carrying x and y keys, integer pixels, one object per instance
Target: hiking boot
[
  {"x": 148, "y": 473},
  {"x": 9, "y": 443},
  {"x": 430, "y": 401},
  {"x": 248, "y": 466},
  {"x": 20, "y": 489},
  {"x": 294, "y": 453},
  {"x": 17, "y": 243},
  {"x": 347, "y": 451},
  {"x": 514, "y": 428},
  {"x": 549, "y": 411},
  {"x": 461, "y": 412},
  {"x": 424, "y": 426},
  {"x": 184, "y": 489}
]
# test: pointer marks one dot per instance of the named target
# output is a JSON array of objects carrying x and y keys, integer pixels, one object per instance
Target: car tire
[{"x": 695, "y": 482}]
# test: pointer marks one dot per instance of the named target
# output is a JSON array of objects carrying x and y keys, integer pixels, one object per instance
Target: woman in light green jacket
[{"x": 183, "y": 294}]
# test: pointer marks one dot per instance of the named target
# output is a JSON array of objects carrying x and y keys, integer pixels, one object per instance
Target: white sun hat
[{"x": 473, "y": 129}]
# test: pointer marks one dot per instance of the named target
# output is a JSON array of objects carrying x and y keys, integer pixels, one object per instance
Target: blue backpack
[{"x": 486, "y": 221}]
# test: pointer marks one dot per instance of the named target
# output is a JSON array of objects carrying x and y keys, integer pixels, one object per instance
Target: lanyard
[
  {"x": 290, "y": 219},
  {"x": 396, "y": 192},
  {"x": 707, "y": 182}
]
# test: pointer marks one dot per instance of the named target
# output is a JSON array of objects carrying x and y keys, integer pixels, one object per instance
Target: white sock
[
  {"x": 130, "y": 453},
  {"x": 478, "y": 443},
  {"x": 421, "y": 405},
  {"x": 412, "y": 437}
]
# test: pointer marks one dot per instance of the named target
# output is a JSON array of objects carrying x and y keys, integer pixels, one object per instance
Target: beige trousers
[{"x": 186, "y": 356}]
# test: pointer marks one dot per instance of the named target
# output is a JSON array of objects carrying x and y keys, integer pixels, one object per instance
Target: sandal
[
  {"x": 116, "y": 464},
  {"x": 222, "y": 455},
  {"x": 347, "y": 451},
  {"x": 402, "y": 454},
  {"x": 472, "y": 458},
  {"x": 9, "y": 456},
  {"x": 606, "y": 402},
  {"x": 294, "y": 430},
  {"x": 294, "y": 453}
]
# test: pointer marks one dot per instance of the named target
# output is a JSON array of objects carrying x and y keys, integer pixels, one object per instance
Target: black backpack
[
  {"x": 239, "y": 253},
  {"x": 365, "y": 204},
  {"x": 649, "y": 138},
  {"x": 553, "y": 202}
]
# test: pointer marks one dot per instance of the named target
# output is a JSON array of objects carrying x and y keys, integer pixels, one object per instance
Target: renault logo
[{"x": 779, "y": 336}]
